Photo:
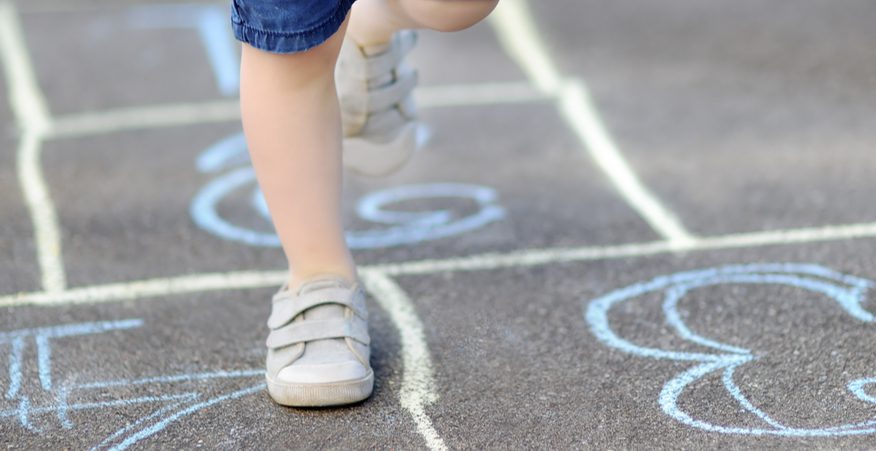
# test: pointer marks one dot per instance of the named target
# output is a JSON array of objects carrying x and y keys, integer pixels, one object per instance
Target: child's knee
[{"x": 448, "y": 15}]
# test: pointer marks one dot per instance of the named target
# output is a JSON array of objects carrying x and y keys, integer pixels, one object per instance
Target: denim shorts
[{"x": 287, "y": 26}]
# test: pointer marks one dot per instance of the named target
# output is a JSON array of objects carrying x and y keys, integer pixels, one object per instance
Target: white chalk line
[
  {"x": 26, "y": 100},
  {"x": 161, "y": 287},
  {"x": 187, "y": 114},
  {"x": 149, "y": 288},
  {"x": 32, "y": 114},
  {"x": 144, "y": 117},
  {"x": 47, "y": 234},
  {"x": 518, "y": 35},
  {"x": 418, "y": 381}
]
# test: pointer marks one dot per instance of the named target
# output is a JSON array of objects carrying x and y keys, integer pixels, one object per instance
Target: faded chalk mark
[
  {"x": 15, "y": 356},
  {"x": 175, "y": 403},
  {"x": 134, "y": 425},
  {"x": 41, "y": 338},
  {"x": 164, "y": 422}
]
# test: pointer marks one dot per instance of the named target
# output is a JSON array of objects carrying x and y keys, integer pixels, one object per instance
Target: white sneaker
[
  {"x": 378, "y": 113},
  {"x": 318, "y": 348}
]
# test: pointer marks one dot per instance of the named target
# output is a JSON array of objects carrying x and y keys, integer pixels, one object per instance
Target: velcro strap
[
  {"x": 302, "y": 331},
  {"x": 384, "y": 97},
  {"x": 373, "y": 66},
  {"x": 287, "y": 306},
  {"x": 404, "y": 42}
]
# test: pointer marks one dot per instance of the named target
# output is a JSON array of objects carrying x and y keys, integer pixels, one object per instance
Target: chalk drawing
[
  {"x": 847, "y": 291},
  {"x": 402, "y": 227},
  {"x": 174, "y": 404}
]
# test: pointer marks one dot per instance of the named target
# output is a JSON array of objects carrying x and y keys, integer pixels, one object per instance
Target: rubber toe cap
[{"x": 322, "y": 373}]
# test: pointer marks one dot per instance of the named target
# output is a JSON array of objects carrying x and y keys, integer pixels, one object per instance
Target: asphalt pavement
[{"x": 630, "y": 226}]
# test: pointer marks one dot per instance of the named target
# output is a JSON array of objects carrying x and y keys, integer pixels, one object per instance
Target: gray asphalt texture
[{"x": 740, "y": 116}]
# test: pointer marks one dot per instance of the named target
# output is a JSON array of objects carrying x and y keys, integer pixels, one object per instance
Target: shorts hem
[{"x": 299, "y": 41}]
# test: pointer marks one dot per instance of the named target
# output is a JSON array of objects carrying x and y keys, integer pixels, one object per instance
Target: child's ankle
[{"x": 295, "y": 281}]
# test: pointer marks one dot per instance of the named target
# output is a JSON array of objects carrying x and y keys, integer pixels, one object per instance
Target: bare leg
[
  {"x": 374, "y": 21},
  {"x": 293, "y": 129},
  {"x": 292, "y": 124}
]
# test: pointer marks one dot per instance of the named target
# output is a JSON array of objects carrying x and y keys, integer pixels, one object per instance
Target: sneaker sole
[
  {"x": 321, "y": 395},
  {"x": 378, "y": 159}
]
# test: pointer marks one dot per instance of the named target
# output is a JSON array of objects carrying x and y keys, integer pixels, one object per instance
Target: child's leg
[
  {"x": 318, "y": 351},
  {"x": 374, "y": 21},
  {"x": 372, "y": 70},
  {"x": 292, "y": 124}
]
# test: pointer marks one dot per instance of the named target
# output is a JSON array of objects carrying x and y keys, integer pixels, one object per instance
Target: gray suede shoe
[
  {"x": 318, "y": 348},
  {"x": 378, "y": 114}
]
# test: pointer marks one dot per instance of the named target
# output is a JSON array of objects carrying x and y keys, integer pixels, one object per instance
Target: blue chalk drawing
[
  {"x": 174, "y": 402},
  {"x": 400, "y": 227},
  {"x": 414, "y": 227},
  {"x": 214, "y": 28},
  {"x": 847, "y": 291}
]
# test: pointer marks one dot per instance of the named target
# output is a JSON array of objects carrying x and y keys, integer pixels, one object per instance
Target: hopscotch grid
[
  {"x": 570, "y": 95},
  {"x": 529, "y": 53},
  {"x": 32, "y": 106},
  {"x": 36, "y": 125}
]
